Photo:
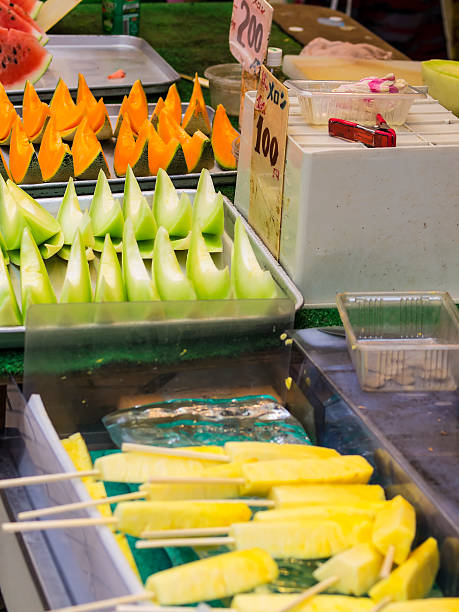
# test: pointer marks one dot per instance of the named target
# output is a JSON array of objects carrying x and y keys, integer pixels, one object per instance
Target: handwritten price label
[
  {"x": 249, "y": 32},
  {"x": 269, "y": 143}
]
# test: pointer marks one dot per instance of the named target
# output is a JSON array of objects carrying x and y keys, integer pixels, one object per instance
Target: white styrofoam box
[{"x": 360, "y": 219}]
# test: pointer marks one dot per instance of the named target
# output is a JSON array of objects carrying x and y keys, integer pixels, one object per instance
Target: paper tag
[
  {"x": 249, "y": 32},
  {"x": 269, "y": 142}
]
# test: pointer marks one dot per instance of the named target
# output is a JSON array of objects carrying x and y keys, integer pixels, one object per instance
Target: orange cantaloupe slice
[
  {"x": 8, "y": 115},
  {"x": 196, "y": 116},
  {"x": 66, "y": 113},
  {"x": 168, "y": 156},
  {"x": 54, "y": 157},
  {"x": 96, "y": 111},
  {"x": 124, "y": 148},
  {"x": 88, "y": 157},
  {"x": 173, "y": 103},
  {"x": 139, "y": 160},
  {"x": 35, "y": 114},
  {"x": 24, "y": 165},
  {"x": 4, "y": 170},
  {"x": 119, "y": 119},
  {"x": 199, "y": 153},
  {"x": 223, "y": 135},
  {"x": 137, "y": 106},
  {"x": 197, "y": 149},
  {"x": 156, "y": 111}
]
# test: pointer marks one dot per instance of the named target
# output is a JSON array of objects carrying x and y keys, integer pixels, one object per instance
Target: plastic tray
[
  {"x": 97, "y": 57},
  {"x": 318, "y": 102},
  {"x": 402, "y": 341},
  {"x": 14, "y": 336}
]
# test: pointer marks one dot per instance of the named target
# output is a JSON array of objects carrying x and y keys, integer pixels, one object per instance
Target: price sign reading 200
[
  {"x": 265, "y": 144},
  {"x": 254, "y": 29}
]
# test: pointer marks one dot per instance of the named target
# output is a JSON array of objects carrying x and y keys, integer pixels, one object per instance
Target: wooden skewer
[
  {"x": 382, "y": 604},
  {"x": 177, "y": 542},
  {"x": 314, "y": 590},
  {"x": 386, "y": 566},
  {"x": 173, "y": 452},
  {"x": 202, "y": 81},
  {"x": 8, "y": 483},
  {"x": 127, "y": 608},
  {"x": 107, "y": 603},
  {"x": 185, "y": 533},
  {"x": 58, "y": 524},
  {"x": 195, "y": 480},
  {"x": 30, "y": 514},
  {"x": 114, "y": 499}
]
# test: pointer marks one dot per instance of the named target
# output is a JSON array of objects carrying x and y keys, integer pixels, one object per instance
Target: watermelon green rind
[
  {"x": 31, "y": 7},
  {"x": 21, "y": 68}
]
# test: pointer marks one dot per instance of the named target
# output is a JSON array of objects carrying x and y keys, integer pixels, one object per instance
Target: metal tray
[
  {"x": 14, "y": 336},
  {"x": 44, "y": 190},
  {"x": 99, "y": 56}
]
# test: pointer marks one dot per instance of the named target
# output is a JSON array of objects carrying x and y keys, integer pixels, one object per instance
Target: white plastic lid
[{"x": 274, "y": 57}]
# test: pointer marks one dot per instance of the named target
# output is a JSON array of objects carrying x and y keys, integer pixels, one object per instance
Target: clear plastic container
[
  {"x": 225, "y": 86},
  {"x": 402, "y": 341},
  {"x": 318, "y": 102}
]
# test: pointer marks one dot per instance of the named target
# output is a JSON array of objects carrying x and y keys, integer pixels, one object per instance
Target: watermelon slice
[
  {"x": 25, "y": 16},
  {"x": 22, "y": 58},
  {"x": 9, "y": 18},
  {"x": 31, "y": 7}
]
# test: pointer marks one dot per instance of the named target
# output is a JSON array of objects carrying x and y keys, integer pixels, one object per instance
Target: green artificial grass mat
[{"x": 189, "y": 36}]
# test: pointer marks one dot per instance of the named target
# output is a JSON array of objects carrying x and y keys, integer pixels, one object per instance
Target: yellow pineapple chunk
[
  {"x": 261, "y": 476},
  {"x": 346, "y": 494},
  {"x": 308, "y": 539},
  {"x": 79, "y": 454},
  {"x": 212, "y": 449},
  {"x": 357, "y": 569},
  {"x": 127, "y": 552},
  {"x": 96, "y": 490},
  {"x": 395, "y": 525},
  {"x": 138, "y": 516},
  {"x": 199, "y": 491},
  {"x": 414, "y": 578},
  {"x": 139, "y": 467},
  {"x": 253, "y": 602},
  {"x": 444, "y": 604},
  {"x": 267, "y": 451},
  {"x": 331, "y": 512},
  {"x": 213, "y": 578}
]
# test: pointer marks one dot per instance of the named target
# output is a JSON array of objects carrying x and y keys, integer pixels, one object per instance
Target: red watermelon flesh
[
  {"x": 22, "y": 58},
  {"x": 31, "y": 7},
  {"x": 21, "y": 12},
  {"x": 9, "y": 18}
]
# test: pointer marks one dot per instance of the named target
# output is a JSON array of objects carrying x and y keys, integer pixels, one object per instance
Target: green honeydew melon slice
[
  {"x": 171, "y": 283},
  {"x": 35, "y": 284},
  {"x": 135, "y": 207},
  {"x": 77, "y": 281},
  {"x": 138, "y": 284},
  {"x": 109, "y": 285},
  {"x": 209, "y": 282},
  {"x": 248, "y": 279}
]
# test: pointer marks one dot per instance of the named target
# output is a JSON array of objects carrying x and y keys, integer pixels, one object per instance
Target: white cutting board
[{"x": 338, "y": 69}]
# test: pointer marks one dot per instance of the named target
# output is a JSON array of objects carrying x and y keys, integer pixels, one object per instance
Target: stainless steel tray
[
  {"x": 99, "y": 56},
  {"x": 14, "y": 336},
  {"x": 44, "y": 190}
]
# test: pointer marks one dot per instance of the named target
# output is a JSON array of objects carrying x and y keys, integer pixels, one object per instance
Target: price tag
[
  {"x": 249, "y": 32},
  {"x": 269, "y": 142}
]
